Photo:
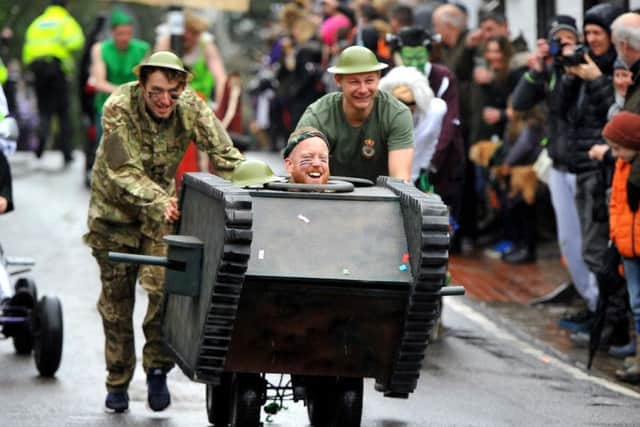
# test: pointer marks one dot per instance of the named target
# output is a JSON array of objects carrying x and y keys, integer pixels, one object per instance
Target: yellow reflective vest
[{"x": 53, "y": 34}]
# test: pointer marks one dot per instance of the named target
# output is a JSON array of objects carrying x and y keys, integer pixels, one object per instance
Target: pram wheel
[{"x": 47, "y": 335}]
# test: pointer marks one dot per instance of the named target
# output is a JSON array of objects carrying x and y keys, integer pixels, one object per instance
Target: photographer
[
  {"x": 541, "y": 82},
  {"x": 588, "y": 94}
]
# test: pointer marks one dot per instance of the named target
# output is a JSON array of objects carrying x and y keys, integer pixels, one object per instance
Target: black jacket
[
  {"x": 5, "y": 181},
  {"x": 535, "y": 87},
  {"x": 585, "y": 107}
]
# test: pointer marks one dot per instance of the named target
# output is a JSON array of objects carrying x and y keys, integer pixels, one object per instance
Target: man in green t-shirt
[
  {"x": 370, "y": 132},
  {"x": 112, "y": 63}
]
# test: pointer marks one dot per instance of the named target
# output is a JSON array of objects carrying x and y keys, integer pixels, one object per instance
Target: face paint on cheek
[{"x": 305, "y": 162}]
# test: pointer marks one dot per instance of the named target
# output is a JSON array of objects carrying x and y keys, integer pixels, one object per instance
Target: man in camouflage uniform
[{"x": 147, "y": 126}]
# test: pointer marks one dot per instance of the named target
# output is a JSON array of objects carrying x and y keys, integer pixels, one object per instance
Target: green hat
[
  {"x": 357, "y": 59},
  {"x": 300, "y": 135},
  {"x": 119, "y": 17},
  {"x": 253, "y": 172},
  {"x": 163, "y": 59}
]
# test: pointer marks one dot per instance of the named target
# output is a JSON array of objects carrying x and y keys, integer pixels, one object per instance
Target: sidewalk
[{"x": 504, "y": 291}]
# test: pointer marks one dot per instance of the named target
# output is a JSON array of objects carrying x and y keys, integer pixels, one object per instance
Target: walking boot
[
  {"x": 158, "y": 395},
  {"x": 630, "y": 371},
  {"x": 117, "y": 401}
]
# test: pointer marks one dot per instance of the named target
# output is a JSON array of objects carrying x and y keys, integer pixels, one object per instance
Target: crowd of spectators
[{"x": 520, "y": 122}]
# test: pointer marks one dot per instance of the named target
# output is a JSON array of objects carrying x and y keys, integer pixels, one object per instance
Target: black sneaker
[
  {"x": 158, "y": 395},
  {"x": 117, "y": 401}
]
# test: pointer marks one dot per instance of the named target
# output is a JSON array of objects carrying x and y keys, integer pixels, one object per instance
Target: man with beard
[
  {"x": 147, "y": 125},
  {"x": 370, "y": 132},
  {"x": 306, "y": 156}
]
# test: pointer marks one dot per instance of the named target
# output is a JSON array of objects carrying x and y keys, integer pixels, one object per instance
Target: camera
[{"x": 574, "y": 58}]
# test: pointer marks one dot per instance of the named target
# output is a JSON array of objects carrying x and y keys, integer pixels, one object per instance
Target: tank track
[
  {"x": 218, "y": 325},
  {"x": 426, "y": 220}
]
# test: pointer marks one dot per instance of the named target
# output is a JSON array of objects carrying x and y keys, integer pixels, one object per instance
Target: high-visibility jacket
[
  {"x": 54, "y": 34},
  {"x": 4, "y": 73}
]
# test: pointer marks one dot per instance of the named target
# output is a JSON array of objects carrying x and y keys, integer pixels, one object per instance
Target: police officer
[
  {"x": 50, "y": 41},
  {"x": 147, "y": 125},
  {"x": 370, "y": 132}
]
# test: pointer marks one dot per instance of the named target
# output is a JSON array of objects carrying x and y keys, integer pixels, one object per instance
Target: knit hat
[
  {"x": 602, "y": 15},
  {"x": 300, "y": 135},
  {"x": 624, "y": 129},
  {"x": 119, "y": 17},
  {"x": 563, "y": 22},
  {"x": 619, "y": 64}
]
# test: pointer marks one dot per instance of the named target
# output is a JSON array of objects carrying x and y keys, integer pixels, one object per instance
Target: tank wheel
[
  {"x": 218, "y": 401},
  {"x": 247, "y": 396},
  {"x": 319, "y": 401},
  {"x": 47, "y": 335},
  {"x": 348, "y": 410}
]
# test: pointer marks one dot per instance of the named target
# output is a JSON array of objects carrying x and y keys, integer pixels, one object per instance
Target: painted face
[
  {"x": 491, "y": 28},
  {"x": 626, "y": 154},
  {"x": 359, "y": 89},
  {"x": 161, "y": 95},
  {"x": 494, "y": 56},
  {"x": 308, "y": 163},
  {"x": 414, "y": 56},
  {"x": 122, "y": 35},
  {"x": 597, "y": 39},
  {"x": 622, "y": 79}
]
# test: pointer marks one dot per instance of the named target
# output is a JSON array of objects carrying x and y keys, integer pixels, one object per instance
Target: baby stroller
[{"x": 34, "y": 325}]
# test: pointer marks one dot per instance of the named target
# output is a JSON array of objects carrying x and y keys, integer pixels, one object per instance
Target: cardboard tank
[{"x": 330, "y": 287}]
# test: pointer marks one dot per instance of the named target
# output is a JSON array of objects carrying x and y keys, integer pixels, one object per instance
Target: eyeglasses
[{"x": 155, "y": 94}]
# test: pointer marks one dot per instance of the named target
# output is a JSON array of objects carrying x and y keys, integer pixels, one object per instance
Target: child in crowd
[{"x": 622, "y": 134}]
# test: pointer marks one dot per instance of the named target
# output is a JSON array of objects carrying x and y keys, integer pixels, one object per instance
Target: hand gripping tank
[{"x": 339, "y": 284}]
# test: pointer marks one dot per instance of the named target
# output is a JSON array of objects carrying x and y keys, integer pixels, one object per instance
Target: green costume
[
  {"x": 119, "y": 64},
  {"x": 361, "y": 151},
  {"x": 203, "y": 82},
  {"x": 132, "y": 182}
]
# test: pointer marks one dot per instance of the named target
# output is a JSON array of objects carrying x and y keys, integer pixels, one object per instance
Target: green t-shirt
[
  {"x": 361, "y": 152},
  {"x": 119, "y": 64}
]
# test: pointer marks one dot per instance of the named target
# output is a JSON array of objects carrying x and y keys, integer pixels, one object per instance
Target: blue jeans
[{"x": 632, "y": 272}]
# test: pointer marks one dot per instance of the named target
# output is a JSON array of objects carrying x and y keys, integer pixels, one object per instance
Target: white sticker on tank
[{"x": 261, "y": 254}]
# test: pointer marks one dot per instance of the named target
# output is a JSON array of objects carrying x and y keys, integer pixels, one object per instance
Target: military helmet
[
  {"x": 357, "y": 59},
  {"x": 253, "y": 172},
  {"x": 163, "y": 59}
]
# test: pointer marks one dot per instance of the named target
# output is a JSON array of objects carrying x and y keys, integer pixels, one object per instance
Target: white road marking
[{"x": 493, "y": 329}]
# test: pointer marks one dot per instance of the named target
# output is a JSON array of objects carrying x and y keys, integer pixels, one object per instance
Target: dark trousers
[{"x": 52, "y": 92}]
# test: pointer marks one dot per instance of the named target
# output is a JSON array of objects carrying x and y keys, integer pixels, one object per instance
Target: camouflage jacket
[{"x": 136, "y": 162}]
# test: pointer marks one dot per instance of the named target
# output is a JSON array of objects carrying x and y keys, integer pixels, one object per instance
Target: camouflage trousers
[{"x": 116, "y": 305}]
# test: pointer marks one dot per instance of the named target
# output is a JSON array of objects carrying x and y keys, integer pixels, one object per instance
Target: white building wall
[
  {"x": 571, "y": 8},
  {"x": 522, "y": 16}
]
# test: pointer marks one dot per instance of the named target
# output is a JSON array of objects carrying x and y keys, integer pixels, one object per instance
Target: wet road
[{"x": 476, "y": 374}]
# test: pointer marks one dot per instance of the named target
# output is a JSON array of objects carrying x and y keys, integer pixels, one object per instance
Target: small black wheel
[
  {"x": 320, "y": 401},
  {"x": 247, "y": 396},
  {"x": 26, "y": 292},
  {"x": 219, "y": 401},
  {"x": 22, "y": 339},
  {"x": 47, "y": 335},
  {"x": 348, "y": 410}
]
